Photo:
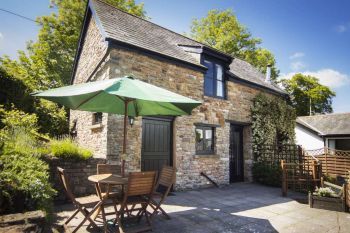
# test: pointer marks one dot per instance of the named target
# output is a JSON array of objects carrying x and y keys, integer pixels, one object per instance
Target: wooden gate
[{"x": 156, "y": 143}]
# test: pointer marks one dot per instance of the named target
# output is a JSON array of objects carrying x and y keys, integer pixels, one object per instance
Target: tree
[
  {"x": 305, "y": 90},
  {"x": 222, "y": 30},
  {"x": 47, "y": 63}
]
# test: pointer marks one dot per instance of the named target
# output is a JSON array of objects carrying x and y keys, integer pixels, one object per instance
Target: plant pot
[{"x": 327, "y": 203}]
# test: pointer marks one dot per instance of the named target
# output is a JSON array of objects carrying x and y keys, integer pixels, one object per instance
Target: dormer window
[{"x": 214, "y": 83}]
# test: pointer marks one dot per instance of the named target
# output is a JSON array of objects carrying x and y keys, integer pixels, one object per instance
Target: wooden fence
[
  {"x": 335, "y": 163},
  {"x": 299, "y": 172},
  {"x": 347, "y": 195},
  {"x": 273, "y": 154}
]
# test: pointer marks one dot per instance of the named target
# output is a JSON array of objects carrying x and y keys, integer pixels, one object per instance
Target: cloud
[
  {"x": 297, "y": 55},
  {"x": 297, "y": 66},
  {"x": 328, "y": 77},
  {"x": 1, "y": 36},
  {"x": 340, "y": 28}
]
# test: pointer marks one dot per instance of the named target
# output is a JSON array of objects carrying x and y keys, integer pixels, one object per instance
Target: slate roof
[
  {"x": 120, "y": 26},
  {"x": 329, "y": 124},
  {"x": 246, "y": 71}
]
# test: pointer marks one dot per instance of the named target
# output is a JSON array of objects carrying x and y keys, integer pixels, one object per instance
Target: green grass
[{"x": 68, "y": 149}]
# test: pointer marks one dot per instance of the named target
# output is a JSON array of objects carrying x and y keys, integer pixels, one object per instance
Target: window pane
[
  {"x": 218, "y": 72},
  {"x": 199, "y": 134},
  {"x": 97, "y": 118},
  {"x": 208, "y": 146},
  {"x": 209, "y": 79},
  {"x": 199, "y": 140},
  {"x": 220, "y": 88},
  {"x": 342, "y": 144},
  {"x": 205, "y": 140},
  {"x": 208, "y": 134},
  {"x": 331, "y": 143}
]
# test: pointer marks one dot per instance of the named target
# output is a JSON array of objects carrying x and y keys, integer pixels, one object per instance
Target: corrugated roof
[
  {"x": 124, "y": 27},
  {"x": 328, "y": 124}
]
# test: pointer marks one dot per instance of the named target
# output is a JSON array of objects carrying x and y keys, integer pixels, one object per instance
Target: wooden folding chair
[
  {"x": 82, "y": 208},
  {"x": 163, "y": 187},
  {"x": 139, "y": 192},
  {"x": 115, "y": 194},
  {"x": 108, "y": 169}
]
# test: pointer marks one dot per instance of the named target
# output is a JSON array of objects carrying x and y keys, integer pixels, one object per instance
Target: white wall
[{"x": 307, "y": 139}]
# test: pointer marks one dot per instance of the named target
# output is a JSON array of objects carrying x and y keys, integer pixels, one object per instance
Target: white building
[{"x": 330, "y": 130}]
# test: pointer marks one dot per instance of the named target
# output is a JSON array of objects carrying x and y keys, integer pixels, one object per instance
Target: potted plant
[{"x": 329, "y": 196}]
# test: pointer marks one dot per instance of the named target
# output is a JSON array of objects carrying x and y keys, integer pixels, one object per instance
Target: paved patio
[{"x": 241, "y": 207}]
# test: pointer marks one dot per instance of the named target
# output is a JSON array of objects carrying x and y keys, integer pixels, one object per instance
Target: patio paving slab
[{"x": 241, "y": 207}]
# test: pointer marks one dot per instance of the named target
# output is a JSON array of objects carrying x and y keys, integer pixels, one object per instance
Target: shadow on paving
[{"x": 236, "y": 208}]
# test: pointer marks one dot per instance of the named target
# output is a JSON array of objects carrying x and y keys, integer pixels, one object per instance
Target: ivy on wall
[{"x": 273, "y": 121}]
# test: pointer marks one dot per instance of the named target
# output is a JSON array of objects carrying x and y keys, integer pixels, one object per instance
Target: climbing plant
[{"x": 273, "y": 121}]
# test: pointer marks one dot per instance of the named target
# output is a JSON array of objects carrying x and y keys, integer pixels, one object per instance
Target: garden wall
[
  {"x": 77, "y": 172},
  {"x": 33, "y": 222}
]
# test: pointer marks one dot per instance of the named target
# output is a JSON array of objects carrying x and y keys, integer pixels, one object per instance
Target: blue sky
[{"x": 311, "y": 36}]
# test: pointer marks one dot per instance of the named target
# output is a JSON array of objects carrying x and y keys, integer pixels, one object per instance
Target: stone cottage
[{"x": 215, "y": 139}]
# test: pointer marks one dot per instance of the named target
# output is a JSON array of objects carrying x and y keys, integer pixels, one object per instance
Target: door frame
[
  {"x": 170, "y": 119},
  {"x": 241, "y": 129}
]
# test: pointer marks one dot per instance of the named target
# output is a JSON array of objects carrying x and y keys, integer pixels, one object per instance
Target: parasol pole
[
  {"x": 125, "y": 124},
  {"x": 126, "y": 102}
]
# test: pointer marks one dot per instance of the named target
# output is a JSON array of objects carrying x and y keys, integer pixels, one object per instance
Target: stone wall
[
  {"x": 214, "y": 111},
  {"x": 91, "y": 136},
  {"x": 33, "y": 222},
  {"x": 77, "y": 172},
  {"x": 185, "y": 81},
  {"x": 93, "y": 49}
]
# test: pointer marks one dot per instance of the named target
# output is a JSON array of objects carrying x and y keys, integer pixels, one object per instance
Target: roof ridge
[
  {"x": 102, "y": 1},
  {"x": 327, "y": 114}
]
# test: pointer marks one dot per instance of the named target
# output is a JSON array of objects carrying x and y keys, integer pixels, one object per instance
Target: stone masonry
[
  {"x": 77, "y": 172},
  {"x": 106, "y": 139}
]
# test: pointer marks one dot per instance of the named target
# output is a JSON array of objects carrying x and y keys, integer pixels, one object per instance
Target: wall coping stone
[
  {"x": 96, "y": 126},
  {"x": 214, "y": 156}
]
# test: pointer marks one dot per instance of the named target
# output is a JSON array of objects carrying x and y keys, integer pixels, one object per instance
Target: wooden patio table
[{"x": 109, "y": 180}]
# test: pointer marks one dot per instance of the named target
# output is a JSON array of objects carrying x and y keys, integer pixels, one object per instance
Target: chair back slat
[
  {"x": 141, "y": 183},
  {"x": 63, "y": 178},
  {"x": 167, "y": 176},
  {"x": 109, "y": 169}
]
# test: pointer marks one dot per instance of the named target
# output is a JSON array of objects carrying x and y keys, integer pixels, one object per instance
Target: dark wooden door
[
  {"x": 156, "y": 143},
  {"x": 236, "y": 154}
]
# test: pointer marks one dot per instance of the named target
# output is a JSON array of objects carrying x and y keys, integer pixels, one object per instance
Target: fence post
[
  {"x": 325, "y": 154},
  {"x": 301, "y": 158},
  {"x": 313, "y": 169},
  {"x": 284, "y": 181},
  {"x": 320, "y": 170},
  {"x": 347, "y": 196}
]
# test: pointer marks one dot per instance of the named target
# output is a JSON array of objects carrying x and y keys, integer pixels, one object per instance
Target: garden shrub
[
  {"x": 273, "y": 121},
  {"x": 24, "y": 181},
  {"x": 67, "y": 149},
  {"x": 24, "y": 177},
  {"x": 268, "y": 174}
]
